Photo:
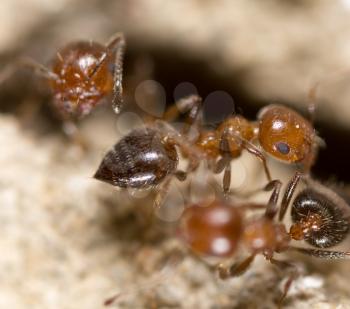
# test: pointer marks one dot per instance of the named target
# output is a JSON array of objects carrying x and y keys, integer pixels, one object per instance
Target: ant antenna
[{"x": 314, "y": 90}]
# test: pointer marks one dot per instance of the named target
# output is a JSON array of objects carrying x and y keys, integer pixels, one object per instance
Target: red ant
[
  {"x": 281, "y": 132},
  {"x": 148, "y": 157},
  {"x": 319, "y": 216},
  {"x": 81, "y": 75}
]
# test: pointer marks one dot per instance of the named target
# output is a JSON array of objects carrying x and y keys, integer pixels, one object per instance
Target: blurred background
[
  {"x": 238, "y": 55},
  {"x": 257, "y": 52}
]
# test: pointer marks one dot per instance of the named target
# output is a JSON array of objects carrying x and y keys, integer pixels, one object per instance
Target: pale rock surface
[{"x": 68, "y": 241}]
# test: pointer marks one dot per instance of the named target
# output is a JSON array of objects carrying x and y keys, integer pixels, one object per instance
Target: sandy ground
[{"x": 70, "y": 242}]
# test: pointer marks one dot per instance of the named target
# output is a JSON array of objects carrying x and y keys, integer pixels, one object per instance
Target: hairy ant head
[
  {"x": 318, "y": 220},
  {"x": 81, "y": 76},
  {"x": 83, "y": 79},
  {"x": 285, "y": 134},
  {"x": 141, "y": 159},
  {"x": 213, "y": 230}
]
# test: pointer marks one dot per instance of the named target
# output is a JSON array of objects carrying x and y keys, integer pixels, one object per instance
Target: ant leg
[
  {"x": 294, "y": 273},
  {"x": 224, "y": 164},
  {"x": 191, "y": 105},
  {"x": 174, "y": 139},
  {"x": 272, "y": 209},
  {"x": 221, "y": 164},
  {"x": 27, "y": 110},
  {"x": 115, "y": 46},
  {"x": 236, "y": 269},
  {"x": 177, "y": 139},
  {"x": 323, "y": 254},
  {"x": 163, "y": 189},
  {"x": 252, "y": 149},
  {"x": 252, "y": 206},
  {"x": 288, "y": 194},
  {"x": 226, "y": 181},
  {"x": 29, "y": 63}
]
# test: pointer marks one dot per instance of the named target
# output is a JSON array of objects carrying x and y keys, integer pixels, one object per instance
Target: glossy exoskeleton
[
  {"x": 81, "y": 76},
  {"x": 319, "y": 216},
  {"x": 148, "y": 156},
  {"x": 280, "y": 131},
  {"x": 141, "y": 159}
]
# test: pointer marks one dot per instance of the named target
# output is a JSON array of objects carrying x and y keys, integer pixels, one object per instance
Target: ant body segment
[
  {"x": 148, "y": 157},
  {"x": 81, "y": 75},
  {"x": 319, "y": 217},
  {"x": 280, "y": 131},
  {"x": 144, "y": 159}
]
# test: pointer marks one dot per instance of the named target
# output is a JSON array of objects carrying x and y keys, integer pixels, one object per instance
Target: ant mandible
[
  {"x": 319, "y": 216},
  {"x": 82, "y": 74},
  {"x": 147, "y": 157}
]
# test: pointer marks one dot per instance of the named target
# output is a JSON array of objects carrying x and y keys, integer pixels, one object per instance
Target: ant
[
  {"x": 81, "y": 75},
  {"x": 281, "y": 132},
  {"x": 319, "y": 216},
  {"x": 148, "y": 157}
]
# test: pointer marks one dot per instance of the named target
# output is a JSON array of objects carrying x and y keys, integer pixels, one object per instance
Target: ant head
[
  {"x": 83, "y": 79},
  {"x": 213, "y": 230},
  {"x": 319, "y": 219},
  {"x": 285, "y": 134}
]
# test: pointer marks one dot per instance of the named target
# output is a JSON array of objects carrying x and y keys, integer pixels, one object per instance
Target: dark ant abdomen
[
  {"x": 331, "y": 225},
  {"x": 139, "y": 160}
]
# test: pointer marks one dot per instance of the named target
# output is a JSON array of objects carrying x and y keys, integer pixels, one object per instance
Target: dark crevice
[{"x": 172, "y": 67}]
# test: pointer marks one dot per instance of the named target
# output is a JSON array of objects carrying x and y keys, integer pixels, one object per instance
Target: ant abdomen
[
  {"x": 83, "y": 79},
  {"x": 233, "y": 127},
  {"x": 139, "y": 160},
  {"x": 318, "y": 220},
  {"x": 211, "y": 230}
]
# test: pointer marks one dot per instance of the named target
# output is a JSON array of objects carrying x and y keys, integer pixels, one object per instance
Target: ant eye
[
  {"x": 285, "y": 134},
  {"x": 283, "y": 148}
]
